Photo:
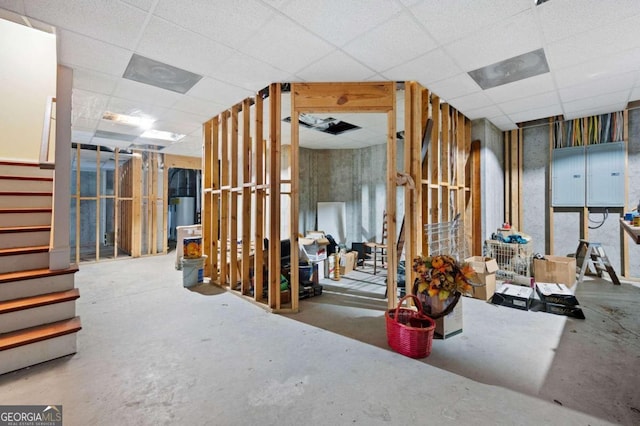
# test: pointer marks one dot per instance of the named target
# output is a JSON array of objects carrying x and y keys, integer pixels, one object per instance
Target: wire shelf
[
  {"x": 513, "y": 259},
  {"x": 446, "y": 238}
]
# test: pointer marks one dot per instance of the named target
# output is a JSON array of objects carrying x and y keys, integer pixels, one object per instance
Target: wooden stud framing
[
  {"x": 624, "y": 244},
  {"x": 213, "y": 226},
  {"x": 260, "y": 191},
  {"x": 207, "y": 158},
  {"x": 246, "y": 195},
  {"x": 274, "y": 197},
  {"x": 437, "y": 187},
  {"x": 136, "y": 226}
]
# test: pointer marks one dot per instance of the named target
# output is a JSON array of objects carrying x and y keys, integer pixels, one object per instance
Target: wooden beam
[
  {"x": 233, "y": 223},
  {"x": 344, "y": 97},
  {"x": 182, "y": 162},
  {"x": 476, "y": 199},
  {"x": 446, "y": 175},
  {"x": 246, "y": 197},
  {"x": 207, "y": 131},
  {"x": 217, "y": 258},
  {"x": 274, "y": 196},
  {"x": 392, "y": 256},
  {"x": 624, "y": 244},
  {"x": 295, "y": 203},
  {"x": 434, "y": 154},
  {"x": 224, "y": 198},
  {"x": 136, "y": 207},
  {"x": 259, "y": 148}
]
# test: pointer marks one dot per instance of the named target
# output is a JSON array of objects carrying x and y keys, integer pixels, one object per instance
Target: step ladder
[{"x": 592, "y": 256}]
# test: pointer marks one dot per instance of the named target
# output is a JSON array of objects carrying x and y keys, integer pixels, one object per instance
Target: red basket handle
[{"x": 408, "y": 296}]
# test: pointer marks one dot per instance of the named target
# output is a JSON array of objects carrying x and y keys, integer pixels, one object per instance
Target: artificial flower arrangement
[{"x": 442, "y": 276}]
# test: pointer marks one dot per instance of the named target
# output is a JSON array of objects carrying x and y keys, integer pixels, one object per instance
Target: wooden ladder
[{"x": 592, "y": 256}]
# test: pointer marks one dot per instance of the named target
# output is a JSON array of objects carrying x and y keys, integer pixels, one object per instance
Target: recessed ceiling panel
[
  {"x": 337, "y": 66},
  {"x": 428, "y": 68},
  {"x": 513, "y": 69},
  {"x": 91, "y": 54},
  {"x": 165, "y": 76}
]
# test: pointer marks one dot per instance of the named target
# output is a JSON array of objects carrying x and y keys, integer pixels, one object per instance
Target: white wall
[{"x": 27, "y": 79}]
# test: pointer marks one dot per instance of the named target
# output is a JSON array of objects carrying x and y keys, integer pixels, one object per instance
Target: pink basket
[{"x": 409, "y": 332}]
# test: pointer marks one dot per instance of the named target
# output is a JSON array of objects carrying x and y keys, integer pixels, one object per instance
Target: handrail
[{"x": 45, "y": 147}]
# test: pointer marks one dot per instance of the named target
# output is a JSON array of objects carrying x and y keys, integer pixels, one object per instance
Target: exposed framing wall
[{"x": 253, "y": 175}]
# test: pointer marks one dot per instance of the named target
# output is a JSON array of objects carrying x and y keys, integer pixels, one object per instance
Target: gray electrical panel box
[
  {"x": 568, "y": 177},
  {"x": 605, "y": 174}
]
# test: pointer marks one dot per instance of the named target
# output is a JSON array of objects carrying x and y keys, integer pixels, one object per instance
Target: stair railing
[{"x": 47, "y": 146}]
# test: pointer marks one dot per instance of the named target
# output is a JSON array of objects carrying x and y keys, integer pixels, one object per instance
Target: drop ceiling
[{"x": 592, "y": 48}]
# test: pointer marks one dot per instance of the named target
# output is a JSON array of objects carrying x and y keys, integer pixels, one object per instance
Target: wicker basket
[{"x": 409, "y": 332}]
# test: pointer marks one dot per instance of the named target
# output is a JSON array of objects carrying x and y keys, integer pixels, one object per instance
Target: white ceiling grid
[{"x": 240, "y": 46}]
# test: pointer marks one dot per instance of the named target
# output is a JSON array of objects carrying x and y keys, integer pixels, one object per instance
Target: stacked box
[
  {"x": 513, "y": 296},
  {"x": 559, "y": 300},
  {"x": 555, "y": 269},
  {"x": 485, "y": 268}
]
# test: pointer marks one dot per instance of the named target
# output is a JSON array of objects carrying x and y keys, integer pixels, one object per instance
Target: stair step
[
  {"x": 37, "y": 301},
  {"x": 15, "y": 251},
  {"x": 26, "y": 199},
  {"x": 17, "y": 229},
  {"x": 10, "y": 217},
  {"x": 18, "y": 168},
  {"x": 25, "y": 183},
  {"x": 39, "y": 333},
  {"x": 35, "y": 273},
  {"x": 24, "y": 258},
  {"x": 34, "y": 282}
]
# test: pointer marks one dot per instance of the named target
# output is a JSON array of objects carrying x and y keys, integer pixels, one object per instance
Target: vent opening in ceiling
[
  {"x": 154, "y": 73},
  {"x": 513, "y": 69},
  {"x": 326, "y": 125}
]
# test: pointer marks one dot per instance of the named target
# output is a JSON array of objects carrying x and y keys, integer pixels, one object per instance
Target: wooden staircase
[{"x": 38, "y": 322}]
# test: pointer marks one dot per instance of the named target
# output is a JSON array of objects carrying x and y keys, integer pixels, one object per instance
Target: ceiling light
[
  {"x": 154, "y": 73},
  {"x": 162, "y": 135},
  {"x": 513, "y": 69},
  {"x": 141, "y": 122}
]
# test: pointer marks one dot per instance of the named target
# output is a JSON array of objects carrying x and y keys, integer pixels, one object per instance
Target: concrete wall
[
  {"x": 27, "y": 79},
  {"x": 492, "y": 174},
  {"x": 356, "y": 177},
  {"x": 566, "y": 229}
]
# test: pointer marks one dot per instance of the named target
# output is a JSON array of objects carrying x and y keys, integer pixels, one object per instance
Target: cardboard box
[
  {"x": 485, "y": 268},
  {"x": 348, "y": 262},
  {"x": 513, "y": 296},
  {"x": 450, "y": 324},
  {"x": 555, "y": 269},
  {"x": 555, "y": 293},
  {"x": 312, "y": 250}
]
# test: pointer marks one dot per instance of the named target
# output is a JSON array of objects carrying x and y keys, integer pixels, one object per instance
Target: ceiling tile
[
  {"x": 184, "y": 49},
  {"x": 135, "y": 108},
  {"x": 145, "y": 93},
  {"x": 198, "y": 106},
  {"x": 488, "y": 111},
  {"x": 491, "y": 45},
  {"x": 635, "y": 94},
  {"x": 531, "y": 102},
  {"x": 145, "y": 5},
  {"x": 472, "y": 101},
  {"x": 81, "y": 136},
  {"x": 562, "y": 19},
  {"x": 521, "y": 89},
  {"x": 275, "y": 45},
  {"x": 614, "y": 98},
  {"x": 386, "y": 46},
  {"x": 593, "y": 44},
  {"x": 600, "y": 109},
  {"x": 454, "y": 87},
  {"x": 88, "y": 104},
  {"x": 602, "y": 67},
  {"x": 433, "y": 66},
  {"x": 88, "y": 53},
  {"x": 248, "y": 72},
  {"x": 535, "y": 114},
  {"x": 228, "y": 22},
  {"x": 336, "y": 66},
  {"x": 221, "y": 93},
  {"x": 188, "y": 148},
  {"x": 599, "y": 86},
  {"x": 94, "y": 81},
  {"x": 503, "y": 123},
  {"x": 184, "y": 118},
  {"x": 86, "y": 124},
  {"x": 115, "y": 22},
  {"x": 16, "y": 6},
  {"x": 109, "y": 126},
  {"x": 469, "y": 16},
  {"x": 339, "y": 21}
]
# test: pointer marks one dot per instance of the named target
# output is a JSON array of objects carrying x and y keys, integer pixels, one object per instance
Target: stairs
[{"x": 37, "y": 306}]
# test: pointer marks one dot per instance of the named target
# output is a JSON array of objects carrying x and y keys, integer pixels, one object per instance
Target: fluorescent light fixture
[
  {"x": 141, "y": 122},
  {"x": 162, "y": 135},
  {"x": 513, "y": 69}
]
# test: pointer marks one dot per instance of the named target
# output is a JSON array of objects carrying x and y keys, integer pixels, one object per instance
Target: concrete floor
[{"x": 152, "y": 352}]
